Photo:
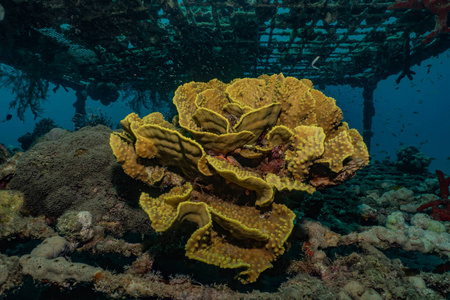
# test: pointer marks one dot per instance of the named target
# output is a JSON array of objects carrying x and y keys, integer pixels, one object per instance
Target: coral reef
[
  {"x": 53, "y": 135},
  {"x": 322, "y": 263},
  {"x": 45, "y": 262},
  {"x": 356, "y": 276},
  {"x": 380, "y": 237},
  {"x": 73, "y": 213},
  {"x": 40, "y": 128},
  {"x": 52, "y": 247},
  {"x": 424, "y": 235},
  {"x": 10, "y": 204},
  {"x": 258, "y": 135},
  {"x": 368, "y": 274},
  {"x": 440, "y": 208},
  {"x": 13, "y": 224},
  {"x": 8, "y": 170},
  {"x": 77, "y": 172},
  {"x": 411, "y": 160},
  {"x": 76, "y": 226},
  {"x": 4, "y": 153}
]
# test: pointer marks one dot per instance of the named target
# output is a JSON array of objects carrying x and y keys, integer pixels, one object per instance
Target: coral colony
[
  {"x": 259, "y": 136},
  {"x": 243, "y": 167},
  {"x": 441, "y": 208},
  {"x": 245, "y": 188}
]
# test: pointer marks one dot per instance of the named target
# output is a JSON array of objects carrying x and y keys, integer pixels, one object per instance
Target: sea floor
[{"x": 361, "y": 240}]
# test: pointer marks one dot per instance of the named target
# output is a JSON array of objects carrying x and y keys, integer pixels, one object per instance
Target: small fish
[
  {"x": 448, "y": 158},
  {"x": 8, "y": 117},
  {"x": 401, "y": 144},
  {"x": 394, "y": 135},
  {"x": 415, "y": 112},
  {"x": 314, "y": 61}
]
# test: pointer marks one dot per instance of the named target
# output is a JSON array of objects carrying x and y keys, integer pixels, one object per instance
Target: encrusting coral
[
  {"x": 10, "y": 204},
  {"x": 235, "y": 145}
]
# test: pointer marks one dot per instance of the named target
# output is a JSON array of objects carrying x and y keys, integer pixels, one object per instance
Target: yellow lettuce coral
[
  {"x": 236, "y": 145},
  {"x": 229, "y": 235}
]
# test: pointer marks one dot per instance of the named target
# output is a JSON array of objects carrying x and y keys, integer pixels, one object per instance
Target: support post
[
  {"x": 80, "y": 109},
  {"x": 369, "y": 112}
]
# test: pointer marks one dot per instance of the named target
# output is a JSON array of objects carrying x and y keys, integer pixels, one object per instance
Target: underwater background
[
  {"x": 249, "y": 149},
  {"x": 408, "y": 113}
]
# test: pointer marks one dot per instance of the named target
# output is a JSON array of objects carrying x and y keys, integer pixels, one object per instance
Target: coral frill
[{"x": 233, "y": 147}]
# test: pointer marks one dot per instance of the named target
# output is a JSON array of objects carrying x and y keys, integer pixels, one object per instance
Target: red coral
[
  {"x": 443, "y": 184},
  {"x": 441, "y": 208},
  {"x": 274, "y": 162},
  {"x": 440, "y": 8}
]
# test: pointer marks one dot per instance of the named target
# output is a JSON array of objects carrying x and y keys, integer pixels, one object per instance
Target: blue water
[{"x": 412, "y": 113}]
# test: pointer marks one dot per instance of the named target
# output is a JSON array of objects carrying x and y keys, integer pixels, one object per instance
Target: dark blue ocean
[{"x": 412, "y": 113}]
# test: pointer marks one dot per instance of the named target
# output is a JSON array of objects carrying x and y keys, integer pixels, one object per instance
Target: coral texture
[
  {"x": 45, "y": 262},
  {"x": 41, "y": 128},
  {"x": 76, "y": 172},
  {"x": 8, "y": 170},
  {"x": 4, "y": 153},
  {"x": 10, "y": 204},
  {"x": 234, "y": 145},
  {"x": 411, "y": 160},
  {"x": 441, "y": 208}
]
